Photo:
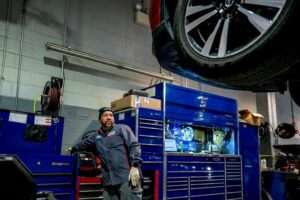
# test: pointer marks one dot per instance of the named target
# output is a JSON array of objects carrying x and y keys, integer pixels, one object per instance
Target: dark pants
[{"x": 120, "y": 192}]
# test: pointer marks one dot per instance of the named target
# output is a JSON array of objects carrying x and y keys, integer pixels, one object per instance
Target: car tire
[{"x": 275, "y": 51}]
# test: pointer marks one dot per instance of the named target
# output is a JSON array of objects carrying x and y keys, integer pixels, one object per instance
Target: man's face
[{"x": 107, "y": 119}]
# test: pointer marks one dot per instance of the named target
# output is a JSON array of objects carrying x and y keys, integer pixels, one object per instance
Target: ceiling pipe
[
  {"x": 106, "y": 61},
  {"x": 23, "y": 12},
  {"x": 5, "y": 46}
]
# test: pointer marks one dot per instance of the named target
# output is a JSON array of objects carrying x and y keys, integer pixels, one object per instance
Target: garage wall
[
  {"x": 285, "y": 109},
  {"x": 285, "y": 114},
  {"x": 101, "y": 27},
  {"x": 89, "y": 31}
]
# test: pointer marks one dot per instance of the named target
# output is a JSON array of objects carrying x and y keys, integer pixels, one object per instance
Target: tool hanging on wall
[
  {"x": 264, "y": 129},
  {"x": 50, "y": 100},
  {"x": 287, "y": 130}
]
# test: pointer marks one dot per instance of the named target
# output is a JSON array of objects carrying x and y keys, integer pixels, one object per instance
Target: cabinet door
[{"x": 249, "y": 149}]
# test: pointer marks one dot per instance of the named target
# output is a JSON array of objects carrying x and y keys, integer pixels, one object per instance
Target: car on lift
[{"x": 250, "y": 45}]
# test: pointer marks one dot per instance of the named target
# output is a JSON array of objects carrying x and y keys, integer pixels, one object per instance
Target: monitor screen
[
  {"x": 198, "y": 139},
  {"x": 199, "y": 135}
]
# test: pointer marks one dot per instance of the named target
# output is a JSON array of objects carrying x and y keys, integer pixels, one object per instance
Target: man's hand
[{"x": 134, "y": 176}]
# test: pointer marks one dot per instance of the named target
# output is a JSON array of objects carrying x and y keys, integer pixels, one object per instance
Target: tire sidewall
[{"x": 263, "y": 45}]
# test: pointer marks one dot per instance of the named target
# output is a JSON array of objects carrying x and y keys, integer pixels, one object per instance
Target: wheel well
[{"x": 171, "y": 7}]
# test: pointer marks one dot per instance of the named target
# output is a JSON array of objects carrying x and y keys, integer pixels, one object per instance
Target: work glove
[
  {"x": 71, "y": 150},
  {"x": 134, "y": 176},
  {"x": 68, "y": 149}
]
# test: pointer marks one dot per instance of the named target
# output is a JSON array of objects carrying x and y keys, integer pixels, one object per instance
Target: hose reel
[
  {"x": 50, "y": 100},
  {"x": 285, "y": 130}
]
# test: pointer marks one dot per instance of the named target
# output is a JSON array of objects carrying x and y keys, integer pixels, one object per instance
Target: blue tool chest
[
  {"x": 193, "y": 143},
  {"x": 197, "y": 121},
  {"x": 57, "y": 174},
  {"x": 194, "y": 106},
  {"x": 211, "y": 177},
  {"x": 37, "y": 140},
  {"x": 249, "y": 150},
  {"x": 22, "y": 132},
  {"x": 147, "y": 124},
  {"x": 234, "y": 182}
]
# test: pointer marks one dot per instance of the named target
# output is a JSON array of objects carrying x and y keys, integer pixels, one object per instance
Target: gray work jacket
[{"x": 117, "y": 149}]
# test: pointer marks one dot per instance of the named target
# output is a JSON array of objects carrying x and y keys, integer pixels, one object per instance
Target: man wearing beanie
[{"x": 119, "y": 152}]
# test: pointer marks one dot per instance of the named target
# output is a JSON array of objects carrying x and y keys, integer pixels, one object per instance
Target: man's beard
[{"x": 107, "y": 125}]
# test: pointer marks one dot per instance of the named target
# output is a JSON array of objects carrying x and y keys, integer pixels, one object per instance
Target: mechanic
[{"x": 119, "y": 152}]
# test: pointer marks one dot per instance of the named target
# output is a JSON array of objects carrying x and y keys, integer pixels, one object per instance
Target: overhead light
[{"x": 139, "y": 6}]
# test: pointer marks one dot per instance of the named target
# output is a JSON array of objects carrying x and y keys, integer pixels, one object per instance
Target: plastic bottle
[
  {"x": 181, "y": 147},
  {"x": 263, "y": 164}
]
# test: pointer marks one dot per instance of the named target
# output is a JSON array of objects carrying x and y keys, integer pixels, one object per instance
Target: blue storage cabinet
[
  {"x": 234, "y": 179},
  {"x": 200, "y": 176},
  {"x": 275, "y": 184},
  {"x": 15, "y": 125},
  {"x": 184, "y": 175},
  {"x": 57, "y": 174},
  {"x": 37, "y": 141},
  {"x": 147, "y": 124},
  {"x": 195, "y": 177},
  {"x": 249, "y": 150},
  {"x": 191, "y": 107},
  {"x": 198, "y": 107},
  {"x": 209, "y": 177}
]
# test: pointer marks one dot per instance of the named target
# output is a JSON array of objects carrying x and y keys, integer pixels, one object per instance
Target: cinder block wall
[{"x": 101, "y": 27}]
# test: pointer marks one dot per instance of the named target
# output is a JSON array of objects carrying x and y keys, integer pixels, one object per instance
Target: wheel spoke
[
  {"x": 267, "y": 3},
  {"x": 195, "y": 23},
  {"x": 259, "y": 22},
  {"x": 194, "y": 9},
  {"x": 208, "y": 26},
  {"x": 209, "y": 42},
  {"x": 223, "y": 40}
]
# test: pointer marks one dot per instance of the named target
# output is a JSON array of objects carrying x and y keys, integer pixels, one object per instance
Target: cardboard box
[
  {"x": 132, "y": 101},
  {"x": 251, "y": 118}
]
